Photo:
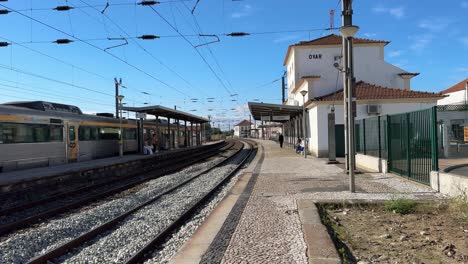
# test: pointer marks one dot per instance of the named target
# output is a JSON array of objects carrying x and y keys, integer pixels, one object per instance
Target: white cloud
[
  {"x": 246, "y": 11},
  {"x": 436, "y": 24},
  {"x": 421, "y": 42},
  {"x": 369, "y": 35},
  {"x": 464, "y": 4},
  {"x": 395, "y": 53},
  {"x": 397, "y": 12}
]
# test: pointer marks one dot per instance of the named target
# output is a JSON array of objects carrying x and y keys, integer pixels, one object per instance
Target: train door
[{"x": 72, "y": 142}]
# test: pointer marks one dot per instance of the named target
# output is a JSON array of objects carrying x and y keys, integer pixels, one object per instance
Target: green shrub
[{"x": 400, "y": 205}]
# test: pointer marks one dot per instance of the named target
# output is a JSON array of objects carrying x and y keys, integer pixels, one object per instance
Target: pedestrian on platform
[
  {"x": 281, "y": 140},
  {"x": 155, "y": 143},
  {"x": 299, "y": 145}
]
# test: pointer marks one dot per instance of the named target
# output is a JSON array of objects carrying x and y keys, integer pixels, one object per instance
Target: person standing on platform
[{"x": 281, "y": 140}]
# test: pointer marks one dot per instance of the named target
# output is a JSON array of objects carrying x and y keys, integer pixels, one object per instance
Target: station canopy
[
  {"x": 274, "y": 112},
  {"x": 162, "y": 111}
]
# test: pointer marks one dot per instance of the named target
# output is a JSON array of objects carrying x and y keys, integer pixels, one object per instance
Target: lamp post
[
  {"x": 304, "y": 92},
  {"x": 348, "y": 31},
  {"x": 120, "y": 98}
]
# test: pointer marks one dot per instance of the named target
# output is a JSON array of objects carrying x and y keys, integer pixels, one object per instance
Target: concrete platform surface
[
  {"x": 12, "y": 177},
  {"x": 280, "y": 222}
]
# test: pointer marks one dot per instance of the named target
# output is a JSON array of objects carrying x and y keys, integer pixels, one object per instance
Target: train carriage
[{"x": 37, "y": 134}]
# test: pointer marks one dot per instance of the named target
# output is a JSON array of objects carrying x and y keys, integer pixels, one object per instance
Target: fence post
[
  {"x": 435, "y": 153},
  {"x": 380, "y": 137},
  {"x": 364, "y": 136},
  {"x": 389, "y": 145},
  {"x": 408, "y": 155}
]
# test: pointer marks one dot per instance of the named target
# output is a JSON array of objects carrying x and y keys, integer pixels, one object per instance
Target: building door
[{"x": 339, "y": 140}]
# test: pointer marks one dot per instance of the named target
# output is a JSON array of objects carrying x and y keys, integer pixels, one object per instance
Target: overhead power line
[
  {"x": 144, "y": 37},
  {"x": 96, "y": 47},
  {"x": 198, "y": 52}
]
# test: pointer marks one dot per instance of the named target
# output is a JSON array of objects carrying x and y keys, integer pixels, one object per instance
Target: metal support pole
[
  {"x": 185, "y": 134},
  {"x": 157, "y": 134},
  {"x": 116, "y": 98},
  {"x": 177, "y": 135},
  {"x": 351, "y": 103},
  {"x": 169, "y": 133},
  {"x": 191, "y": 134},
  {"x": 304, "y": 126},
  {"x": 121, "y": 132}
]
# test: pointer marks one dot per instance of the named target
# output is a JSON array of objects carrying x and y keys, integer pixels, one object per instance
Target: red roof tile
[
  {"x": 457, "y": 87},
  {"x": 244, "y": 123},
  {"x": 367, "y": 91},
  {"x": 334, "y": 39}
]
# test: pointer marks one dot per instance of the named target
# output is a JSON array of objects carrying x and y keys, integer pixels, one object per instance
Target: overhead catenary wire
[
  {"x": 197, "y": 51},
  {"x": 144, "y": 49},
  {"x": 96, "y": 47}
]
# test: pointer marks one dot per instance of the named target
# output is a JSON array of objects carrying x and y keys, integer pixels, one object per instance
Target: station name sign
[{"x": 315, "y": 56}]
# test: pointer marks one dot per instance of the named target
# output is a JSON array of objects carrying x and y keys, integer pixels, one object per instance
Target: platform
[
  {"x": 30, "y": 175},
  {"x": 270, "y": 217}
]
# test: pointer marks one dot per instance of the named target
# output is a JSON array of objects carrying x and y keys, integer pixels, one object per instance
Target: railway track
[
  {"x": 26, "y": 214},
  {"x": 192, "y": 192}
]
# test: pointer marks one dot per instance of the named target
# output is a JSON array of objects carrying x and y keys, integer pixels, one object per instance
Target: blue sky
[{"x": 430, "y": 38}]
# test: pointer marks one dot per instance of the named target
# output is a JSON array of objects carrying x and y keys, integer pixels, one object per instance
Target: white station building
[{"x": 381, "y": 88}]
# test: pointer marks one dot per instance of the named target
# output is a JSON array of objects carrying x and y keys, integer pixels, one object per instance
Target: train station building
[{"x": 314, "y": 80}]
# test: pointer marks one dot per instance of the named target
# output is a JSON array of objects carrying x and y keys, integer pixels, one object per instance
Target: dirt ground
[{"x": 371, "y": 234}]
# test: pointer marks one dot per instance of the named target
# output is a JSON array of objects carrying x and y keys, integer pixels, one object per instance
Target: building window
[{"x": 457, "y": 129}]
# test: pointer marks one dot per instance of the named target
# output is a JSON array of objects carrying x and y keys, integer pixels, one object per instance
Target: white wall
[
  {"x": 318, "y": 120},
  {"x": 368, "y": 63},
  {"x": 453, "y": 98}
]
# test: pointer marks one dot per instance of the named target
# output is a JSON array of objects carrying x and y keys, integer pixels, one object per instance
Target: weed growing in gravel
[
  {"x": 400, "y": 205},
  {"x": 459, "y": 205}
]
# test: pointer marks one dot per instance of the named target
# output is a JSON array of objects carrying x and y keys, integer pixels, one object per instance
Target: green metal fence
[
  {"x": 371, "y": 134},
  {"x": 407, "y": 140}
]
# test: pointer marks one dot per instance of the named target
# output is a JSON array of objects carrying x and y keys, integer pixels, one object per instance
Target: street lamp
[
  {"x": 348, "y": 32},
  {"x": 304, "y": 92},
  {"x": 120, "y": 98}
]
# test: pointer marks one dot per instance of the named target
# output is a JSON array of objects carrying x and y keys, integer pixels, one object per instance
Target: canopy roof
[
  {"x": 162, "y": 111},
  {"x": 274, "y": 110}
]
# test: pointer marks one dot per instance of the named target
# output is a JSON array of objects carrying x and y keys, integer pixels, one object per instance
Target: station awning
[
  {"x": 274, "y": 112},
  {"x": 162, "y": 111}
]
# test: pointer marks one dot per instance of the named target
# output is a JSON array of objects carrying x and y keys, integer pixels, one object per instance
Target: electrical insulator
[
  {"x": 4, "y": 44},
  {"x": 148, "y": 37},
  {"x": 237, "y": 34},
  {"x": 63, "y": 41},
  {"x": 4, "y": 11},
  {"x": 63, "y": 8},
  {"x": 148, "y": 3}
]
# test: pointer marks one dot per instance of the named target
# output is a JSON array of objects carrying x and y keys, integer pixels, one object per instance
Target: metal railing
[{"x": 408, "y": 141}]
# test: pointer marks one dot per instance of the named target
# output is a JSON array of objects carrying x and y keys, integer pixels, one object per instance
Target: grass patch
[
  {"x": 400, "y": 205},
  {"x": 459, "y": 205}
]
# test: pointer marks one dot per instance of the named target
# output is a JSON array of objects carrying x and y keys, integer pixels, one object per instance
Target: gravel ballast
[
  {"x": 24, "y": 245},
  {"x": 141, "y": 227}
]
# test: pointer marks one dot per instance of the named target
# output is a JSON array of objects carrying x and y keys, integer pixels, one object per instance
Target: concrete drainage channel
[{"x": 121, "y": 242}]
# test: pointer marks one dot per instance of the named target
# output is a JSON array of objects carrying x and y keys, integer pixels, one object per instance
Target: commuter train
[{"x": 38, "y": 134}]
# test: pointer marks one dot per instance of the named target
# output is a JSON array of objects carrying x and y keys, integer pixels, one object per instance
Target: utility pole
[
  {"x": 116, "y": 97},
  {"x": 283, "y": 88},
  {"x": 250, "y": 125},
  {"x": 348, "y": 30}
]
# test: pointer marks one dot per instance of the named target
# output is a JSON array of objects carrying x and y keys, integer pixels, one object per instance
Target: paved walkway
[
  {"x": 269, "y": 230},
  {"x": 271, "y": 227}
]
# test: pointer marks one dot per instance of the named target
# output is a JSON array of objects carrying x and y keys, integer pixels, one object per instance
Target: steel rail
[
  {"x": 63, "y": 248},
  {"x": 10, "y": 227},
  {"x": 162, "y": 236}
]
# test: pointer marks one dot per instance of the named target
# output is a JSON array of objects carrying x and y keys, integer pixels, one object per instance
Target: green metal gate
[{"x": 412, "y": 144}]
